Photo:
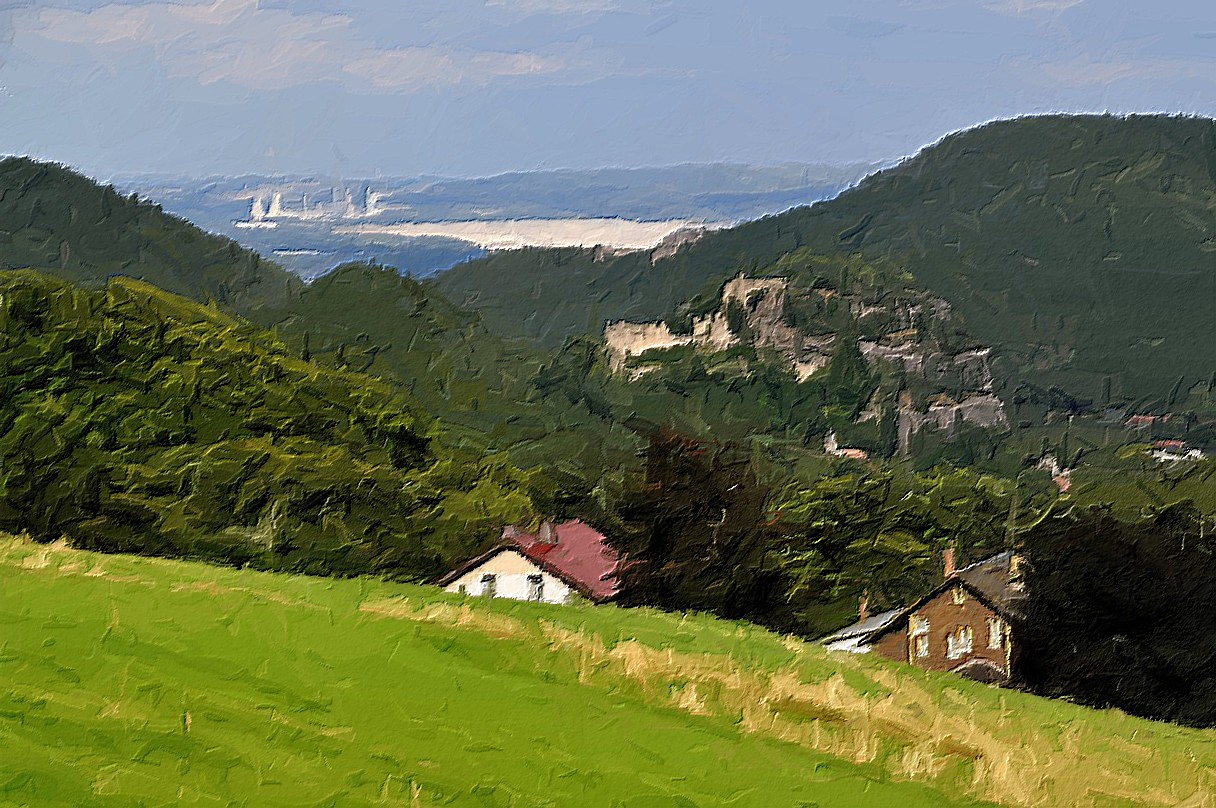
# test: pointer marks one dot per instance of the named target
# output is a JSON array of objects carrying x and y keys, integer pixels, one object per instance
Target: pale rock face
[
  {"x": 674, "y": 242},
  {"x": 624, "y": 340},
  {"x": 905, "y": 355},
  {"x": 763, "y": 301},
  {"x": 712, "y": 333},
  {"x": 809, "y": 367},
  {"x": 983, "y": 409}
]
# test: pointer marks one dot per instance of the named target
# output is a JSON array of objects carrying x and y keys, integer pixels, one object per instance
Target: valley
[
  {"x": 776, "y": 424},
  {"x": 608, "y": 403}
]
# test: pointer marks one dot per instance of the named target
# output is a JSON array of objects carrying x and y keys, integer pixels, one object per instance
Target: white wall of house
[{"x": 514, "y": 577}]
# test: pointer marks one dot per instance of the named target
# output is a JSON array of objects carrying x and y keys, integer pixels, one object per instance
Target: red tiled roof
[{"x": 581, "y": 554}]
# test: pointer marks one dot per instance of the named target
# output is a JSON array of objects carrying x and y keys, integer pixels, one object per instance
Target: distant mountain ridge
[
  {"x": 712, "y": 191},
  {"x": 313, "y": 244}
]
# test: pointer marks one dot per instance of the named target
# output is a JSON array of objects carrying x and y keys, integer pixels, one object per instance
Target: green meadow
[{"x": 135, "y": 681}]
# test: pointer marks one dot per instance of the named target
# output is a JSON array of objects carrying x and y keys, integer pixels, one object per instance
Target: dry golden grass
[{"x": 994, "y": 744}]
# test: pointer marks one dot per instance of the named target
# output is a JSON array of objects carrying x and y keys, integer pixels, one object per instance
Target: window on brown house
[
  {"x": 996, "y": 632},
  {"x": 918, "y": 629},
  {"x": 958, "y": 595},
  {"x": 958, "y": 642}
]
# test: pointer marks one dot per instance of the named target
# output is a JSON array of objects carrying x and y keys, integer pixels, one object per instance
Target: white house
[
  {"x": 506, "y": 572},
  {"x": 559, "y": 563}
]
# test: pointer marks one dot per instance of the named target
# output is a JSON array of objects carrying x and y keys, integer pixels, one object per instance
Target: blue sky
[{"x": 473, "y": 87}]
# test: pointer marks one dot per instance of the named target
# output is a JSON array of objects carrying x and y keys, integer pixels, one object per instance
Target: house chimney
[
  {"x": 547, "y": 534},
  {"x": 1015, "y": 569},
  {"x": 863, "y": 607},
  {"x": 948, "y": 562}
]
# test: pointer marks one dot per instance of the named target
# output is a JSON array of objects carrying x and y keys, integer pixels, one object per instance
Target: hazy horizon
[{"x": 478, "y": 88}]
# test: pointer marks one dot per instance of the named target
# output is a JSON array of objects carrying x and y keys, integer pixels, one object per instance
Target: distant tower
[
  {"x": 257, "y": 210},
  {"x": 276, "y": 206},
  {"x": 351, "y": 211},
  {"x": 371, "y": 202}
]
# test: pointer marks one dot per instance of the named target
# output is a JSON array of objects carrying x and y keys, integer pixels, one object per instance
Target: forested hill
[
  {"x": 1080, "y": 247},
  {"x": 59, "y": 221},
  {"x": 132, "y": 419},
  {"x": 361, "y": 318}
]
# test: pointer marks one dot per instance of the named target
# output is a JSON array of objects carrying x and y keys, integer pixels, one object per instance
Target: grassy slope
[{"x": 129, "y": 680}]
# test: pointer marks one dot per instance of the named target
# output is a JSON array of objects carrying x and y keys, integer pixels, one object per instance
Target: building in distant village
[
  {"x": 965, "y": 625},
  {"x": 555, "y": 565},
  {"x": 1173, "y": 451}
]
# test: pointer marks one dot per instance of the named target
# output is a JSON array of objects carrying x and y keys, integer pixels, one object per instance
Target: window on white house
[
  {"x": 958, "y": 642},
  {"x": 996, "y": 632},
  {"x": 462, "y": 589},
  {"x": 489, "y": 585},
  {"x": 536, "y": 587}
]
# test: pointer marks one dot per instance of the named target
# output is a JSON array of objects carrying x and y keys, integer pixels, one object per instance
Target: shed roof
[{"x": 863, "y": 626}]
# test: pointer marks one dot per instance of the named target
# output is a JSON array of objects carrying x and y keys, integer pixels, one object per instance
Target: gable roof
[
  {"x": 993, "y": 580},
  {"x": 580, "y": 552},
  {"x": 577, "y": 554},
  {"x": 989, "y": 581}
]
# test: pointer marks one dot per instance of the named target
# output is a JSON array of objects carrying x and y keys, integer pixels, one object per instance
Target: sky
[{"x": 477, "y": 87}]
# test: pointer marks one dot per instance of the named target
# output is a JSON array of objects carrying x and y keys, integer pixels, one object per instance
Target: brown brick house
[{"x": 966, "y": 625}]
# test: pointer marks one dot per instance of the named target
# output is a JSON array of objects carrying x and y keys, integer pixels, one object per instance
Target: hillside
[
  {"x": 1078, "y": 247},
  {"x": 137, "y": 680},
  {"x": 361, "y": 318},
  {"x": 369, "y": 319},
  {"x": 55, "y": 219},
  {"x": 134, "y": 419}
]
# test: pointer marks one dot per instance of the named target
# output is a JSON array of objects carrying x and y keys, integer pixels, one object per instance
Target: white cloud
[
  {"x": 1023, "y": 6},
  {"x": 1085, "y": 72},
  {"x": 241, "y": 42},
  {"x": 555, "y": 6},
  {"x": 402, "y": 67}
]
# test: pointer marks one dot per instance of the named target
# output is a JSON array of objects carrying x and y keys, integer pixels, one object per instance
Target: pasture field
[{"x": 134, "y": 681}]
